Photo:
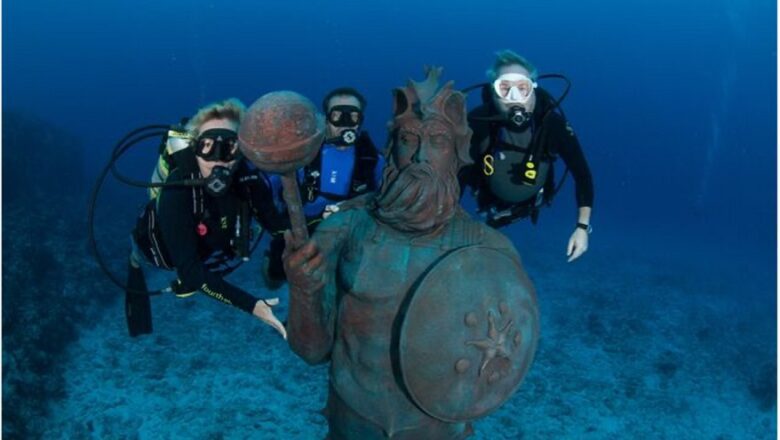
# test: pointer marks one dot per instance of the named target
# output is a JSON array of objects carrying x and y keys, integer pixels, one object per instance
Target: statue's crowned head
[
  {"x": 426, "y": 116},
  {"x": 428, "y": 143}
]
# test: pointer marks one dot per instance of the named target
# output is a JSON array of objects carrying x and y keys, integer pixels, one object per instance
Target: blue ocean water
[{"x": 664, "y": 329}]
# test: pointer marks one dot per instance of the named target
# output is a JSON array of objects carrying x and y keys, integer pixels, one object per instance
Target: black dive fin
[{"x": 138, "y": 308}]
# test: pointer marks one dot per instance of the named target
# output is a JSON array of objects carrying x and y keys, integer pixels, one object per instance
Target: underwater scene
[{"x": 529, "y": 220}]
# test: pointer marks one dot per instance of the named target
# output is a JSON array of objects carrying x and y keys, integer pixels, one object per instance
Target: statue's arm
[{"x": 311, "y": 271}]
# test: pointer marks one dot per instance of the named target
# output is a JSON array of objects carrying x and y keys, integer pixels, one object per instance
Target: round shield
[{"x": 469, "y": 334}]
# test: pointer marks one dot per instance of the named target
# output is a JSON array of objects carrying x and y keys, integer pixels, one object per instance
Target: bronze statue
[{"x": 426, "y": 316}]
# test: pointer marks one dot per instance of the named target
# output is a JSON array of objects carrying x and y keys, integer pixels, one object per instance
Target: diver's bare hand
[
  {"x": 304, "y": 266},
  {"x": 263, "y": 311},
  {"x": 578, "y": 244}
]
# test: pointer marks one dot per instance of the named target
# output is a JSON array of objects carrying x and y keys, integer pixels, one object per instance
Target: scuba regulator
[
  {"x": 218, "y": 182},
  {"x": 518, "y": 116},
  {"x": 347, "y": 138}
]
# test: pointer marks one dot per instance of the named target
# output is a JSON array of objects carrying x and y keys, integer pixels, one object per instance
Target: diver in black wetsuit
[
  {"x": 200, "y": 230},
  {"x": 346, "y": 166},
  {"x": 518, "y": 132}
]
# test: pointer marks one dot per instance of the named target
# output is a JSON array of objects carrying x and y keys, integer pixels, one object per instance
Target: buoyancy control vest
[
  {"x": 517, "y": 166},
  {"x": 337, "y": 174},
  {"x": 514, "y": 171}
]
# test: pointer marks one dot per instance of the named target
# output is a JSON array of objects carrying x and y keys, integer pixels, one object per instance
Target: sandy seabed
[{"x": 632, "y": 347}]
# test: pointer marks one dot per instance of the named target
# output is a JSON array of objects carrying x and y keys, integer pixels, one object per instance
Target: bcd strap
[
  {"x": 514, "y": 214},
  {"x": 310, "y": 188},
  {"x": 366, "y": 158},
  {"x": 488, "y": 162},
  {"x": 243, "y": 231}
]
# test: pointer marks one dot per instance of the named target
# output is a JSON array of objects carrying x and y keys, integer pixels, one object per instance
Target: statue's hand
[{"x": 304, "y": 266}]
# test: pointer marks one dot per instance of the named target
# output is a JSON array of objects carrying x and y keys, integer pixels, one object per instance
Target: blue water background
[{"x": 674, "y": 102}]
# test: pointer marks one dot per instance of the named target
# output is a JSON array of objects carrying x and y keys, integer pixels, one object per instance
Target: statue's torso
[{"x": 377, "y": 268}]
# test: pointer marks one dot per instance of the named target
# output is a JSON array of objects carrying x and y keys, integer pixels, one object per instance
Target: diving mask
[
  {"x": 217, "y": 145},
  {"x": 514, "y": 88},
  {"x": 345, "y": 116}
]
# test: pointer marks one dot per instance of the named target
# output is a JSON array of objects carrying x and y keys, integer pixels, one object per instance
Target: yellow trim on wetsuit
[{"x": 216, "y": 295}]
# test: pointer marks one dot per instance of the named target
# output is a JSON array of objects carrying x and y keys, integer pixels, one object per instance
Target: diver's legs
[{"x": 138, "y": 308}]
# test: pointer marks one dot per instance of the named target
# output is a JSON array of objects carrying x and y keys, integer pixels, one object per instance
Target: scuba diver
[
  {"x": 346, "y": 166},
  {"x": 519, "y": 131},
  {"x": 199, "y": 230}
]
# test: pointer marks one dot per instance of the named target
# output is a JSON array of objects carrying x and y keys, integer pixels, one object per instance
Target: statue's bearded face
[
  {"x": 420, "y": 189},
  {"x": 428, "y": 142}
]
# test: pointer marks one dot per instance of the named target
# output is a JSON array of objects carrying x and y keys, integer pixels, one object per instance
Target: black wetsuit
[
  {"x": 197, "y": 234},
  {"x": 548, "y": 134}
]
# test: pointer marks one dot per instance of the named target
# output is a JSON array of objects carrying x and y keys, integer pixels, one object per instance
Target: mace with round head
[{"x": 280, "y": 133}]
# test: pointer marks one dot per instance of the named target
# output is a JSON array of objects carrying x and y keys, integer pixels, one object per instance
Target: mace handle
[{"x": 292, "y": 197}]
